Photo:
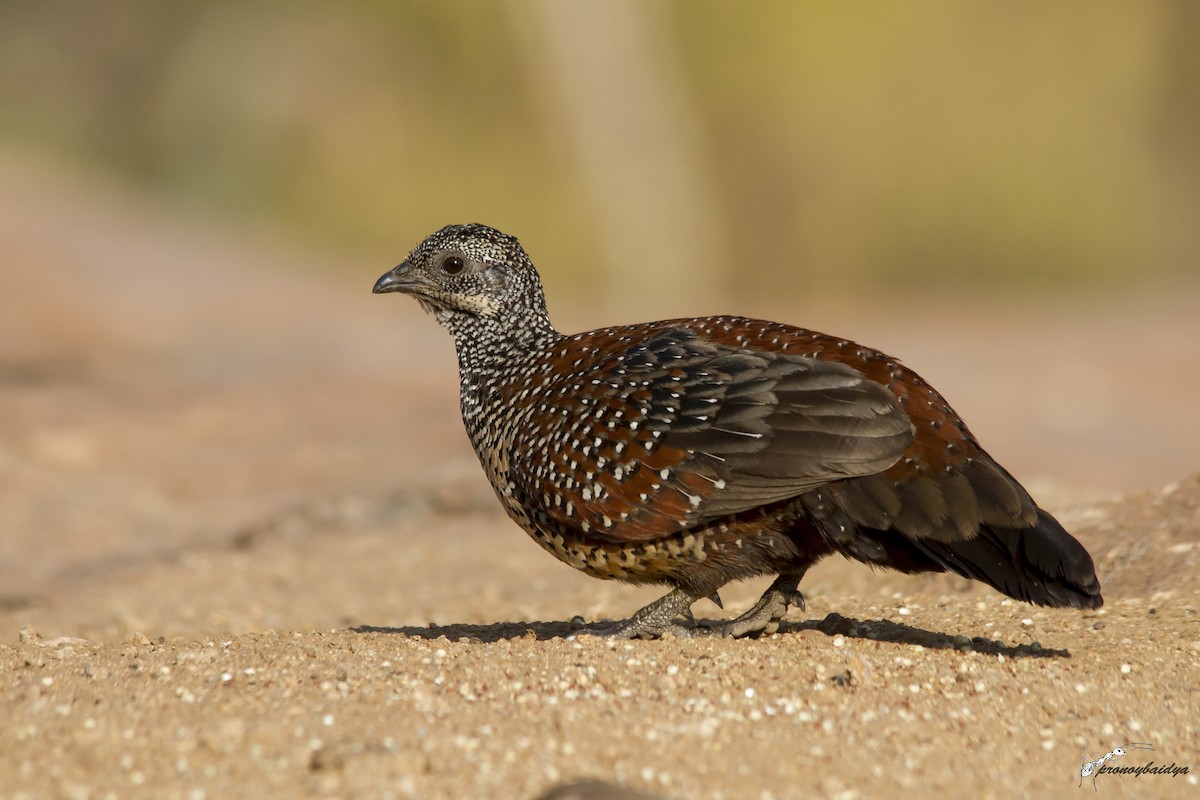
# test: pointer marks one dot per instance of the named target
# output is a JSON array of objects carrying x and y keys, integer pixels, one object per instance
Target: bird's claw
[{"x": 766, "y": 614}]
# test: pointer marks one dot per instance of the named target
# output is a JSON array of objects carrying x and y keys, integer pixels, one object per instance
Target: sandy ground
[{"x": 246, "y": 552}]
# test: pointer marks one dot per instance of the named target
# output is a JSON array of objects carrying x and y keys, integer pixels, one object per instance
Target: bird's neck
[{"x": 493, "y": 349}]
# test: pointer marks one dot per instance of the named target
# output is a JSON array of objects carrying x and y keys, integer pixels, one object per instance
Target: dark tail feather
[{"x": 1043, "y": 565}]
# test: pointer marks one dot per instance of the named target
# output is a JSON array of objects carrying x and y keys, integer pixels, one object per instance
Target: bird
[{"x": 690, "y": 453}]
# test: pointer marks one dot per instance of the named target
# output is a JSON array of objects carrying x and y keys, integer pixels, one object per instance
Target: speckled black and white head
[{"x": 473, "y": 279}]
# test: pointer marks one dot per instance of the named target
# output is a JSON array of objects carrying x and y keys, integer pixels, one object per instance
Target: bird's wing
[
  {"x": 668, "y": 432},
  {"x": 945, "y": 487}
]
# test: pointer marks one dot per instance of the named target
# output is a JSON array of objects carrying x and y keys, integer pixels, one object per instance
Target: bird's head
[{"x": 468, "y": 273}]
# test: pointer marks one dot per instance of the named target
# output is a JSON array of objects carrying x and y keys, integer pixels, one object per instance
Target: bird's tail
[{"x": 1043, "y": 565}]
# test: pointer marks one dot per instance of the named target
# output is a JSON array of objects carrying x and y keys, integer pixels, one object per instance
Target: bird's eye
[{"x": 452, "y": 265}]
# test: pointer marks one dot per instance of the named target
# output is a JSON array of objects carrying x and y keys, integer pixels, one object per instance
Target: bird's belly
[
  {"x": 656, "y": 561},
  {"x": 729, "y": 550}
]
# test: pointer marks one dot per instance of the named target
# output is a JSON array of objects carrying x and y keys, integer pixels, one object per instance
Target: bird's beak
[{"x": 399, "y": 279}]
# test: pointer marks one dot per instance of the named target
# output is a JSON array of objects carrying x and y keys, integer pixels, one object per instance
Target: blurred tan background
[
  {"x": 755, "y": 149},
  {"x": 195, "y": 199}
]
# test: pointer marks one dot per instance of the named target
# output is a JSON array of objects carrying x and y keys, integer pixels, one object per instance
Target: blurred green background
[{"x": 695, "y": 148}]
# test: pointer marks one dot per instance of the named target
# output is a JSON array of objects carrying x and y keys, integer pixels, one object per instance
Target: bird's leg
[
  {"x": 765, "y": 615},
  {"x": 657, "y": 618}
]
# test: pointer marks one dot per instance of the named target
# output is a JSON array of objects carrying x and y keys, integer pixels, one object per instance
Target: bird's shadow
[{"x": 877, "y": 630}]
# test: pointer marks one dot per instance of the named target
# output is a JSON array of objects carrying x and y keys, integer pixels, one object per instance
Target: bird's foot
[
  {"x": 666, "y": 615},
  {"x": 658, "y": 619},
  {"x": 639, "y": 629},
  {"x": 764, "y": 617}
]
